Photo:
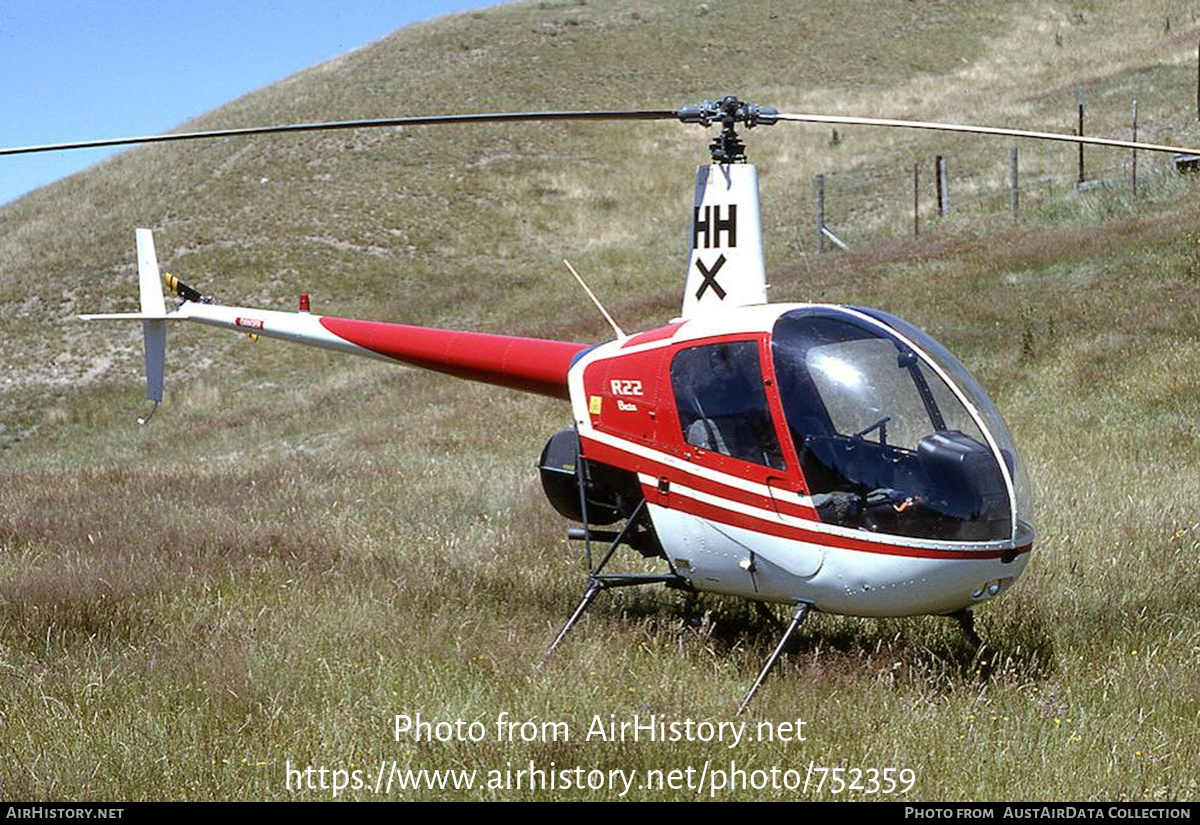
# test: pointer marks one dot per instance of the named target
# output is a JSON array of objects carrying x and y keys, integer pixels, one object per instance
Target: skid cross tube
[
  {"x": 597, "y": 579},
  {"x": 604, "y": 581}
]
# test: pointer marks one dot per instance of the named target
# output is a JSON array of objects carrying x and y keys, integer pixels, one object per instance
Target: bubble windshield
[{"x": 885, "y": 441}]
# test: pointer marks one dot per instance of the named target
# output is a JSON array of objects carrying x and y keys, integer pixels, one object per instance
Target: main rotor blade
[
  {"x": 618, "y": 114},
  {"x": 426, "y": 120},
  {"x": 983, "y": 130}
]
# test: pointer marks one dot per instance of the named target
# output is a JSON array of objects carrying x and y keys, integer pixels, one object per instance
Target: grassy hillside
[{"x": 302, "y": 546}]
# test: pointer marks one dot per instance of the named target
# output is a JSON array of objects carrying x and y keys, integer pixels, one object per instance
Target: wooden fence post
[
  {"x": 1014, "y": 188},
  {"x": 916, "y": 201},
  {"x": 820, "y": 214},
  {"x": 1134, "y": 169},
  {"x": 1082, "y": 176},
  {"x": 943, "y": 187}
]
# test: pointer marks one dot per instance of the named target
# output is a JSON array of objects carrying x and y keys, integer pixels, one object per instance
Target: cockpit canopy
[{"x": 892, "y": 433}]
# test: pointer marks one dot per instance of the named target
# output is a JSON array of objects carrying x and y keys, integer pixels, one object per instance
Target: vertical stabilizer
[
  {"x": 725, "y": 264},
  {"x": 149, "y": 284},
  {"x": 154, "y": 312}
]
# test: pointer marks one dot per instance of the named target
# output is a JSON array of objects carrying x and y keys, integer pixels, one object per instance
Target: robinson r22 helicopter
[{"x": 829, "y": 458}]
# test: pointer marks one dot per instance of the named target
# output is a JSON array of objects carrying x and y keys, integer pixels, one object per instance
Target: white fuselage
[{"x": 753, "y": 529}]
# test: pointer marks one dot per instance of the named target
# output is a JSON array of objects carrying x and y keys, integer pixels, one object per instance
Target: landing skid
[
  {"x": 638, "y": 533},
  {"x": 965, "y": 619},
  {"x": 599, "y": 580}
]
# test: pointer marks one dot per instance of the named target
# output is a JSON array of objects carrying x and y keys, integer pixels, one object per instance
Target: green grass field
[{"x": 301, "y": 546}]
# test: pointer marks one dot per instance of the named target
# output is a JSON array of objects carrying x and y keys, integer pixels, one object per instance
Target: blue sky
[{"x": 83, "y": 69}]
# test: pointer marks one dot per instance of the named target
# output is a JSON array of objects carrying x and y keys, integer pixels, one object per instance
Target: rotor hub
[{"x": 727, "y": 147}]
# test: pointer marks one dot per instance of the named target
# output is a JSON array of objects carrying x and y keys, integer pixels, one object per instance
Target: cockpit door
[{"x": 730, "y": 428}]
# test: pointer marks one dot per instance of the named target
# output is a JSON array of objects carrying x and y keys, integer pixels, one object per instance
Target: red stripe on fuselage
[
  {"x": 608, "y": 454},
  {"x": 681, "y": 501},
  {"x": 720, "y": 515},
  {"x": 527, "y": 364}
]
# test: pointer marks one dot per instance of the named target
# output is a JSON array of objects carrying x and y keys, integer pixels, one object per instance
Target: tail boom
[{"x": 527, "y": 364}]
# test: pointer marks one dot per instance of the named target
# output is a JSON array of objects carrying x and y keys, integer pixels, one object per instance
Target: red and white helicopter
[{"x": 825, "y": 457}]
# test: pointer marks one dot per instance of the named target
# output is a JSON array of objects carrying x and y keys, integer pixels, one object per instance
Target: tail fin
[
  {"x": 726, "y": 242},
  {"x": 154, "y": 329},
  {"x": 153, "y": 317}
]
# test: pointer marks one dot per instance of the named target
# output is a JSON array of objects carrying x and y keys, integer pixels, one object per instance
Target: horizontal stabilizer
[{"x": 123, "y": 316}]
